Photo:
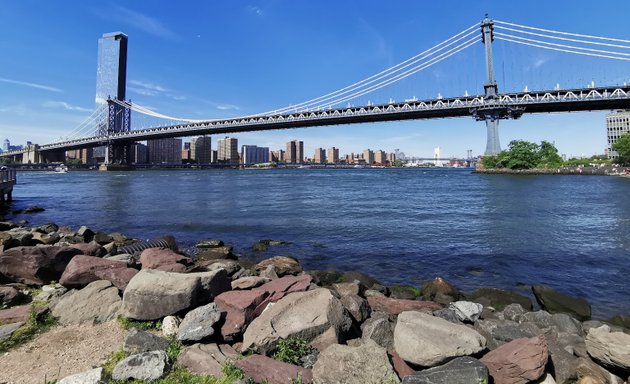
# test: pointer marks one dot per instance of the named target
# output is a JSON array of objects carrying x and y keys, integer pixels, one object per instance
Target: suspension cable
[
  {"x": 562, "y": 33},
  {"x": 562, "y": 38},
  {"x": 561, "y": 45},
  {"x": 561, "y": 50}
]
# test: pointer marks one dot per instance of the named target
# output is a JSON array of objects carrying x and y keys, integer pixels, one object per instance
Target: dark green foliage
[
  {"x": 523, "y": 154},
  {"x": 622, "y": 147},
  {"x": 291, "y": 350},
  {"x": 127, "y": 324}
]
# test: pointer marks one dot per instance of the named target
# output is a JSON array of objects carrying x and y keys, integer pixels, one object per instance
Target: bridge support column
[{"x": 493, "y": 145}]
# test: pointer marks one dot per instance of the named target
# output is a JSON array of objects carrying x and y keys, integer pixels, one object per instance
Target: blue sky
[{"x": 212, "y": 59}]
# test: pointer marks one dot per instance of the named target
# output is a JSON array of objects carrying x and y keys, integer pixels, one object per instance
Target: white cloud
[
  {"x": 138, "y": 20},
  {"x": 147, "y": 85},
  {"x": 31, "y": 85},
  {"x": 227, "y": 107},
  {"x": 64, "y": 105},
  {"x": 540, "y": 62},
  {"x": 255, "y": 10}
]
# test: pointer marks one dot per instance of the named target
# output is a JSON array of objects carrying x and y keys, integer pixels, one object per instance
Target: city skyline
[{"x": 245, "y": 72}]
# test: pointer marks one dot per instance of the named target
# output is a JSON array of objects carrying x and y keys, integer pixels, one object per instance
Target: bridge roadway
[{"x": 506, "y": 105}]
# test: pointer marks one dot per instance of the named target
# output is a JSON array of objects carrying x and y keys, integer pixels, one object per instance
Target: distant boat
[{"x": 61, "y": 168}]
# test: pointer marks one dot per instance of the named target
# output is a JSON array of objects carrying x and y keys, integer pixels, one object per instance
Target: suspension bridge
[{"x": 111, "y": 126}]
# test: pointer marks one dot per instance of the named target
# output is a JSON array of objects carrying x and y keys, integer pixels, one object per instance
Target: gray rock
[
  {"x": 143, "y": 366},
  {"x": 127, "y": 258},
  {"x": 207, "y": 359},
  {"x": 310, "y": 315},
  {"x": 379, "y": 330},
  {"x": 199, "y": 323},
  {"x": 466, "y": 311},
  {"x": 366, "y": 364},
  {"x": 209, "y": 244},
  {"x": 93, "y": 376},
  {"x": 447, "y": 314},
  {"x": 248, "y": 282},
  {"x": 10, "y": 296},
  {"x": 513, "y": 312},
  {"x": 462, "y": 370},
  {"x": 567, "y": 324},
  {"x": 357, "y": 307},
  {"x": 556, "y": 302},
  {"x": 7, "y": 330},
  {"x": 499, "y": 332},
  {"x": 97, "y": 302},
  {"x": 153, "y": 294},
  {"x": 170, "y": 325},
  {"x": 427, "y": 340},
  {"x": 139, "y": 341},
  {"x": 612, "y": 349}
]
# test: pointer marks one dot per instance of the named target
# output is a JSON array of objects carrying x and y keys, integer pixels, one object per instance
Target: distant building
[
  {"x": 437, "y": 154},
  {"x": 252, "y": 154},
  {"x": 391, "y": 157},
  {"x": 6, "y": 145},
  {"x": 201, "y": 149},
  {"x": 380, "y": 157},
  {"x": 277, "y": 156},
  {"x": 186, "y": 152},
  {"x": 617, "y": 124},
  {"x": 86, "y": 155},
  {"x": 140, "y": 155},
  {"x": 320, "y": 156},
  {"x": 368, "y": 156},
  {"x": 228, "y": 151},
  {"x": 165, "y": 151},
  {"x": 215, "y": 156},
  {"x": 333, "y": 155},
  {"x": 295, "y": 152}
]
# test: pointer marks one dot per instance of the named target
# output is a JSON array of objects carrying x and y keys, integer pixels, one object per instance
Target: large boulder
[
  {"x": 164, "y": 259},
  {"x": 396, "y": 306},
  {"x": 379, "y": 330},
  {"x": 440, "y": 291},
  {"x": 461, "y": 370},
  {"x": 207, "y": 359},
  {"x": 153, "y": 294},
  {"x": 308, "y": 315},
  {"x": 517, "y": 362},
  {"x": 500, "y": 298},
  {"x": 241, "y": 307},
  {"x": 90, "y": 249},
  {"x": 612, "y": 349},
  {"x": 427, "y": 340},
  {"x": 143, "y": 366},
  {"x": 555, "y": 302},
  {"x": 97, "y": 302},
  {"x": 263, "y": 369},
  {"x": 35, "y": 265},
  {"x": 283, "y": 265},
  {"x": 199, "y": 323},
  {"x": 139, "y": 341},
  {"x": 82, "y": 270},
  {"x": 365, "y": 364}
]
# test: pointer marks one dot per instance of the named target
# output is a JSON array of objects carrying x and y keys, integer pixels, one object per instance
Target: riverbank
[
  {"x": 581, "y": 171},
  {"x": 213, "y": 313}
]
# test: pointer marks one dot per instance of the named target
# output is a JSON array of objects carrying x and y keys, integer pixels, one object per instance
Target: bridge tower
[{"x": 493, "y": 145}]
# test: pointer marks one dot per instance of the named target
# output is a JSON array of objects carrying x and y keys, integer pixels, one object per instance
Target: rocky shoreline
[
  {"x": 579, "y": 171},
  {"x": 244, "y": 322}
]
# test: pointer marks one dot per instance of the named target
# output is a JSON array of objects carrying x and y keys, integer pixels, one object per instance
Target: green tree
[
  {"x": 520, "y": 155},
  {"x": 622, "y": 147},
  {"x": 549, "y": 157}
]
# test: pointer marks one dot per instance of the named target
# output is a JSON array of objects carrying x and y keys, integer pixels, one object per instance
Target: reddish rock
[
  {"x": 283, "y": 265},
  {"x": 241, "y": 307},
  {"x": 440, "y": 291},
  {"x": 120, "y": 277},
  {"x": 164, "y": 260},
  {"x": 15, "y": 314},
  {"x": 400, "y": 366},
  {"x": 265, "y": 369},
  {"x": 396, "y": 306},
  {"x": 82, "y": 270},
  {"x": 518, "y": 362},
  {"x": 35, "y": 265},
  {"x": 90, "y": 249}
]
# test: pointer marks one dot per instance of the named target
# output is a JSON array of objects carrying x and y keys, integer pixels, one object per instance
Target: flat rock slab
[
  {"x": 309, "y": 315},
  {"x": 265, "y": 369},
  {"x": 427, "y": 340},
  {"x": 207, "y": 359},
  {"x": 143, "y": 366},
  {"x": 518, "y": 362},
  {"x": 466, "y": 311},
  {"x": 555, "y": 302},
  {"x": 139, "y": 341},
  {"x": 283, "y": 265},
  {"x": 396, "y": 306},
  {"x": 96, "y": 303},
  {"x": 93, "y": 376},
  {"x": 14, "y": 314},
  {"x": 365, "y": 364},
  {"x": 82, "y": 270},
  {"x": 249, "y": 282},
  {"x": 462, "y": 370},
  {"x": 7, "y": 330},
  {"x": 609, "y": 348},
  {"x": 164, "y": 259}
]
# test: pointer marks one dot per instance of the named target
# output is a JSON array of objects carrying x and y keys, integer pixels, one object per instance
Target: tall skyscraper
[
  {"x": 320, "y": 156},
  {"x": 333, "y": 155},
  {"x": 380, "y": 157},
  {"x": 165, "y": 151},
  {"x": 111, "y": 79},
  {"x": 228, "y": 150},
  {"x": 617, "y": 124},
  {"x": 295, "y": 152},
  {"x": 368, "y": 156},
  {"x": 201, "y": 149}
]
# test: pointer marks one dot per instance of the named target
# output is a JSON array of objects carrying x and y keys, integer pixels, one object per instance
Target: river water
[{"x": 402, "y": 226}]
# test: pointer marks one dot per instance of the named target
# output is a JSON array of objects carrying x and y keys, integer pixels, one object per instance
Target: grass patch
[
  {"x": 34, "y": 325},
  {"x": 113, "y": 359},
  {"x": 174, "y": 349},
  {"x": 291, "y": 350},
  {"x": 416, "y": 292},
  {"x": 128, "y": 324}
]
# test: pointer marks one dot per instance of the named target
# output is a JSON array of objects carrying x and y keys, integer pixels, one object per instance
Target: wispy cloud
[
  {"x": 137, "y": 20},
  {"x": 227, "y": 107},
  {"x": 146, "y": 88},
  {"x": 32, "y": 85},
  {"x": 19, "y": 109},
  {"x": 64, "y": 105},
  {"x": 255, "y": 10},
  {"x": 540, "y": 62}
]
